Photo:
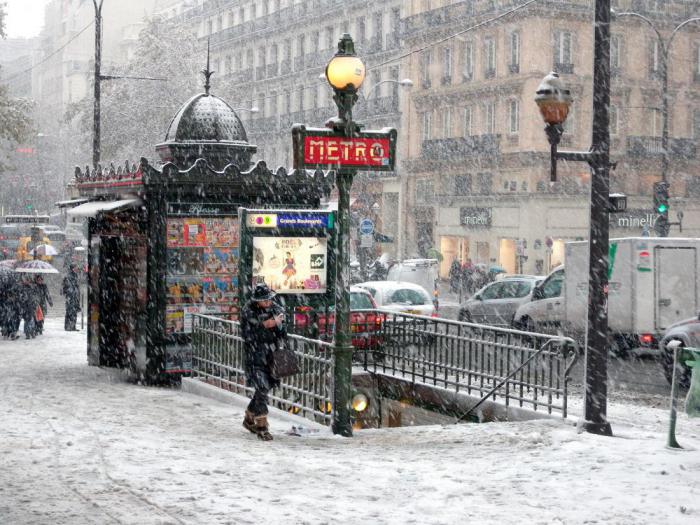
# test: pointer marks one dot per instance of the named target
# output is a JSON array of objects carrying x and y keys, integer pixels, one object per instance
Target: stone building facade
[
  {"x": 270, "y": 56},
  {"x": 477, "y": 162}
]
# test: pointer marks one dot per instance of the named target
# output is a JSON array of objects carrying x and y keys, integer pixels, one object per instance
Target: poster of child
[
  {"x": 212, "y": 292},
  {"x": 175, "y": 235}
]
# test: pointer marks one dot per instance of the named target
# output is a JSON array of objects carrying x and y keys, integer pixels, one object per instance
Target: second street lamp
[{"x": 345, "y": 73}]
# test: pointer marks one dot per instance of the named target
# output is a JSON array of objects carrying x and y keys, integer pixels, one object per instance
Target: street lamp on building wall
[
  {"x": 554, "y": 102},
  {"x": 345, "y": 74},
  {"x": 664, "y": 51}
]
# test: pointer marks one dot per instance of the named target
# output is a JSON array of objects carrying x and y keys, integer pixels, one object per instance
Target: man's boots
[
  {"x": 249, "y": 422},
  {"x": 261, "y": 428}
]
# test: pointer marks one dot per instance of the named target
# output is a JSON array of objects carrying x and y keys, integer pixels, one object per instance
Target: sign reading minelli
[
  {"x": 326, "y": 149},
  {"x": 633, "y": 219},
  {"x": 475, "y": 217}
]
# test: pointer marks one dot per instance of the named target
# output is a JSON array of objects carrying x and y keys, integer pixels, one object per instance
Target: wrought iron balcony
[
  {"x": 650, "y": 147},
  {"x": 485, "y": 145}
]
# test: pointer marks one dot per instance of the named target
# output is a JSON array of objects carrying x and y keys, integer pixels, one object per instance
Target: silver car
[
  {"x": 495, "y": 304},
  {"x": 688, "y": 333}
]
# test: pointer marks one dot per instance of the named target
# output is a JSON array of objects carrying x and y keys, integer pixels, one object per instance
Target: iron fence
[
  {"x": 527, "y": 369},
  {"x": 218, "y": 359}
]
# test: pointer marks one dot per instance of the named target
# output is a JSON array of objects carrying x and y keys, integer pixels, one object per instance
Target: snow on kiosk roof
[{"x": 91, "y": 209}]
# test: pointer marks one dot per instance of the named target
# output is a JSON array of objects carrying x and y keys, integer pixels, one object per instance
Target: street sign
[
  {"x": 316, "y": 148},
  {"x": 366, "y": 226},
  {"x": 366, "y": 240}
]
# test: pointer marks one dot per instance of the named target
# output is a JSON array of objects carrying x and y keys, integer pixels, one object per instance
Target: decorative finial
[{"x": 207, "y": 72}]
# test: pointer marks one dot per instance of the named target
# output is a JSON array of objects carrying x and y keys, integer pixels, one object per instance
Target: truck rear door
[{"x": 676, "y": 284}]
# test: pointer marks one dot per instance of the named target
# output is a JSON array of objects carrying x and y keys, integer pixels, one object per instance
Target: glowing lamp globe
[
  {"x": 553, "y": 99},
  {"x": 345, "y": 71}
]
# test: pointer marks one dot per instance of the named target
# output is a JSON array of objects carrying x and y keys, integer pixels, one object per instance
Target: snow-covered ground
[{"x": 80, "y": 445}]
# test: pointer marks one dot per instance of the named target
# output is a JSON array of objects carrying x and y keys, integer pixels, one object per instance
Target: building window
[
  {"x": 427, "y": 125},
  {"x": 468, "y": 116},
  {"x": 463, "y": 184},
  {"x": 329, "y": 37},
  {"x": 697, "y": 63},
  {"x": 615, "y": 50},
  {"x": 696, "y": 124},
  {"x": 656, "y": 124},
  {"x": 378, "y": 29},
  {"x": 361, "y": 29},
  {"x": 563, "y": 57},
  {"x": 426, "y": 60},
  {"x": 315, "y": 41},
  {"x": 654, "y": 58},
  {"x": 210, "y": 27},
  {"x": 301, "y": 46},
  {"x": 468, "y": 61},
  {"x": 485, "y": 182},
  {"x": 249, "y": 59},
  {"x": 490, "y": 117},
  {"x": 614, "y": 120},
  {"x": 513, "y": 116},
  {"x": 228, "y": 66},
  {"x": 446, "y": 65},
  {"x": 273, "y": 104},
  {"x": 447, "y": 122},
  {"x": 489, "y": 57},
  {"x": 514, "y": 52},
  {"x": 425, "y": 191}
]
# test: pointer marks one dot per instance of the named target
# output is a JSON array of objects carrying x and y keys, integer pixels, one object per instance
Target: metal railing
[
  {"x": 218, "y": 359},
  {"x": 472, "y": 358}
]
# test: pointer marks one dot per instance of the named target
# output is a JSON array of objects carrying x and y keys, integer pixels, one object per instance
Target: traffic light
[{"x": 661, "y": 207}]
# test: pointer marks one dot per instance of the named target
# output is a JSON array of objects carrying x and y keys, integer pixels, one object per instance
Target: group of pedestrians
[
  {"x": 27, "y": 299},
  {"x": 468, "y": 277}
]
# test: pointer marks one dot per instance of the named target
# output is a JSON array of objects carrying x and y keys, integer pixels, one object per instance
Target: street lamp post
[
  {"x": 345, "y": 73},
  {"x": 554, "y": 102},
  {"x": 97, "y": 79},
  {"x": 664, "y": 52}
]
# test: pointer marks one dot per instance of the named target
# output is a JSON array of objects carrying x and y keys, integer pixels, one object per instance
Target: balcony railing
[
  {"x": 489, "y": 145},
  {"x": 649, "y": 147}
]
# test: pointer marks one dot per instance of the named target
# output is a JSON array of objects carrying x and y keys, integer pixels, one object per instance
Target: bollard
[
  {"x": 692, "y": 401},
  {"x": 671, "y": 442}
]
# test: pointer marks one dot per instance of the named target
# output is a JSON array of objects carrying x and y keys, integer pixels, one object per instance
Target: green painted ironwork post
[{"x": 342, "y": 423}]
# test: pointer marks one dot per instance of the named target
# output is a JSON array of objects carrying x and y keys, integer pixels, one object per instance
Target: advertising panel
[
  {"x": 295, "y": 265},
  {"x": 203, "y": 256}
]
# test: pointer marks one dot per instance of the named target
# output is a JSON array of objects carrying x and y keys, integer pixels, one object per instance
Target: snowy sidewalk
[{"x": 77, "y": 445}]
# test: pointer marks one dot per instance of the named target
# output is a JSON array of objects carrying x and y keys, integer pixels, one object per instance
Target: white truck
[{"x": 653, "y": 283}]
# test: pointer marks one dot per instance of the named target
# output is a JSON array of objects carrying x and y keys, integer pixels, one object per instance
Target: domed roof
[{"x": 206, "y": 118}]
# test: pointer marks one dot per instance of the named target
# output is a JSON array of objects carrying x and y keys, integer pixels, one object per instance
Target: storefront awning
[
  {"x": 70, "y": 203},
  {"x": 91, "y": 209}
]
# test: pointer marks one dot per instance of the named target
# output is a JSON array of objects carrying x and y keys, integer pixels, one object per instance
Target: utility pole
[
  {"x": 554, "y": 102},
  {"x": 97, "y": 80}
]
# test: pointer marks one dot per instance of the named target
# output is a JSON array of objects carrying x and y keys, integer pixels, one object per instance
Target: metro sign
[{"x": 326, "y": 149}]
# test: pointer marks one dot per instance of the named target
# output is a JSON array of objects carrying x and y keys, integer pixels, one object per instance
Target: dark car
[{"x": 688, "y": 333}]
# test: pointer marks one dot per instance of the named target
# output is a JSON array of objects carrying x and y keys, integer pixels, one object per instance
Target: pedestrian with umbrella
[
  {"x": 30, "y": 296},
  {"x": 29, "y": 302},
  {"x": 70, "y": 289},
  {"x": 45, "y": 301}
]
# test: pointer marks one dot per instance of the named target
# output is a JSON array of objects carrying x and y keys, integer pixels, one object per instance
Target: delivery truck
[{"x": 653, "y": 283}]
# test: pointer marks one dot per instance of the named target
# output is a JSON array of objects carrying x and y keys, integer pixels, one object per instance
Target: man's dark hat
[{"x": 262, "y": 292}]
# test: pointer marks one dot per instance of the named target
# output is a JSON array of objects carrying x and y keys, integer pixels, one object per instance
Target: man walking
[
  {"x": 262, "y": 328},
  {"x": 71, "y": 291}
]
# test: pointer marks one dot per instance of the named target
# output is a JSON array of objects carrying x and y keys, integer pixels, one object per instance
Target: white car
[{"x": 400, "y": 297}]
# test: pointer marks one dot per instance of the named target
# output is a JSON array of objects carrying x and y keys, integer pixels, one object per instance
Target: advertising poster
[
  {"x": 291, "y": 264},
  {"x": 202, "y": 266}
]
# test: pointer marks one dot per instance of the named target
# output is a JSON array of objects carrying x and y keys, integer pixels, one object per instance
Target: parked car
[
  {"x": 400, "y": 297},
  {"x": 688, "y": 332},
  {"x": 364, "y": 326},
  {"x": 496, "y": 303},
  {"x": 544, "y": 312},
  {"x": 422, "y": 272}
]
